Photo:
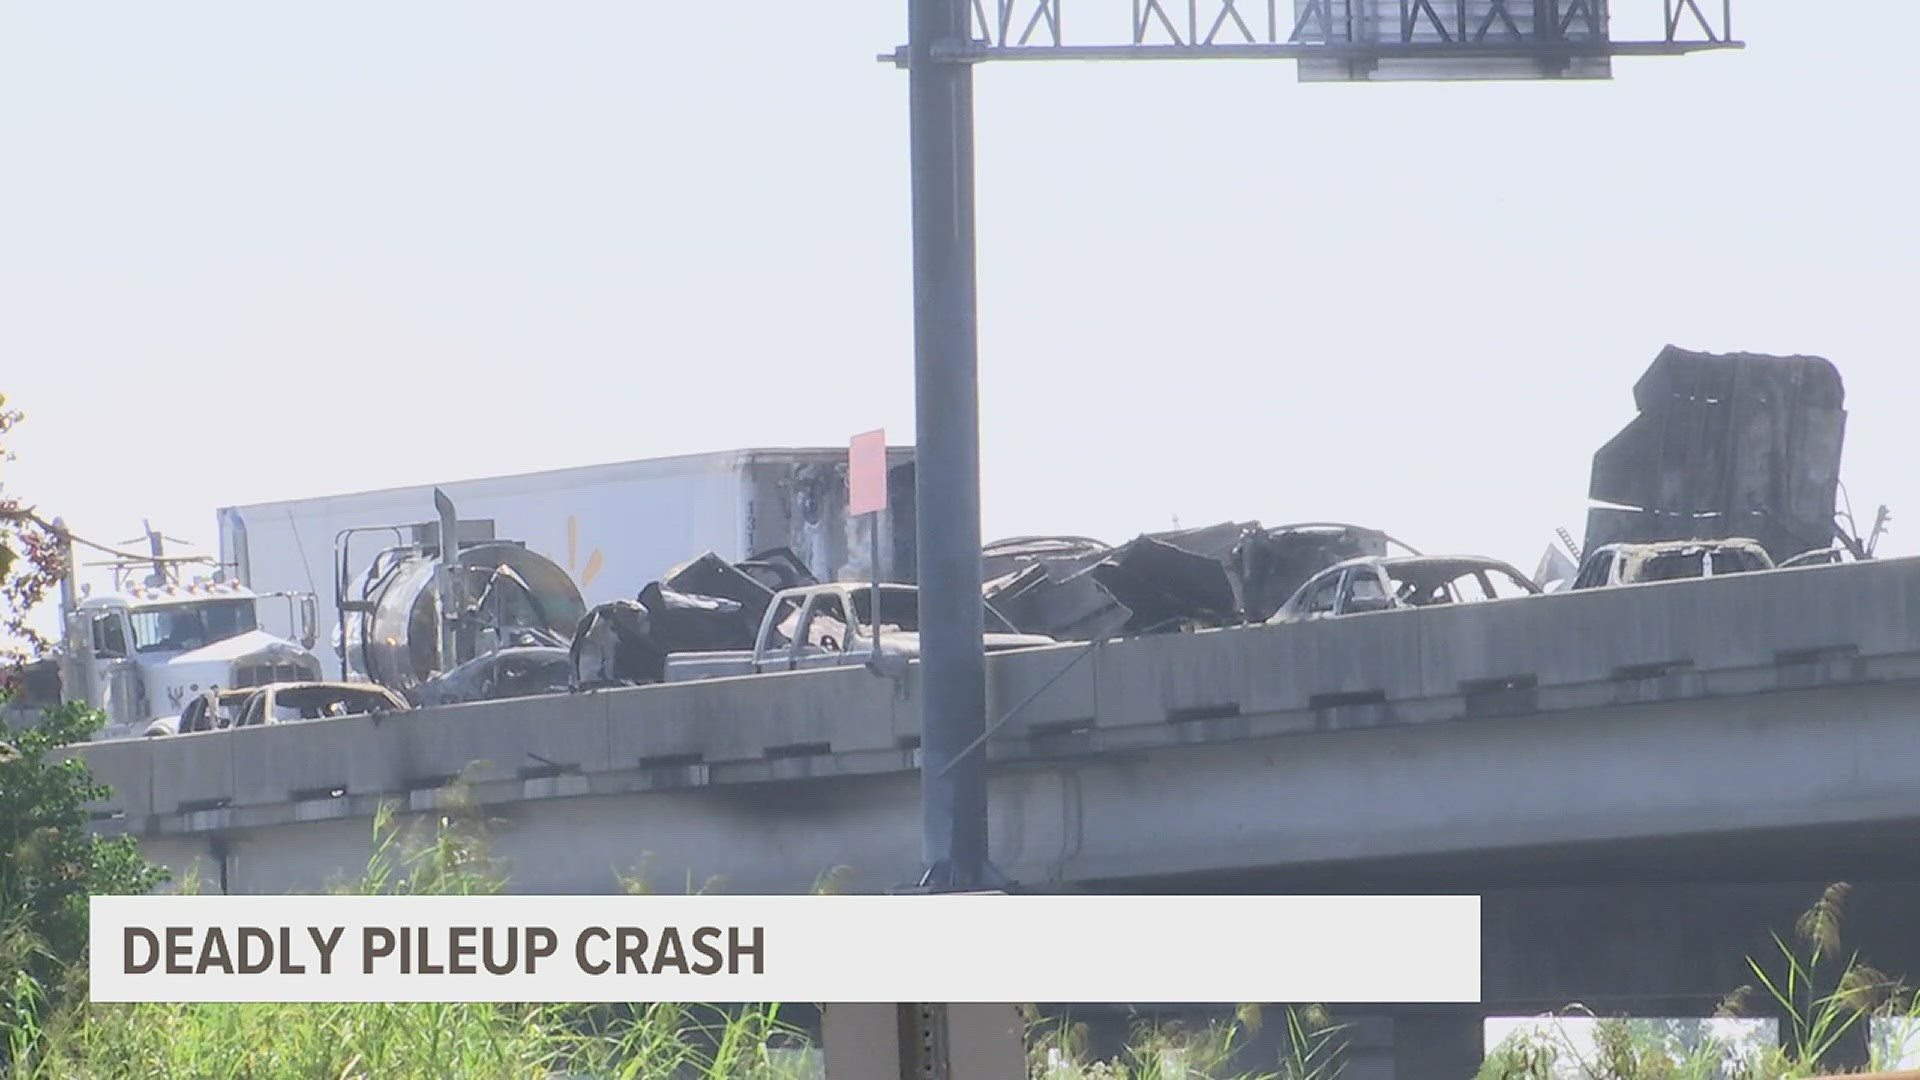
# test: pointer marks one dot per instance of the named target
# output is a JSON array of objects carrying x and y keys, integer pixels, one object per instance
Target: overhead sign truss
[{"x": 1343, "y": 39}]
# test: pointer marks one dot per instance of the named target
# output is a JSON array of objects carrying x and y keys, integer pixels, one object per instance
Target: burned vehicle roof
[
  {"x": 320, "y": 686},
  {"x": 1033, "y": 547},
  {"x": 1431, "y": 567},
  {"x": 1829, "y": 556},
  {"x": 1671, "y": 560},
  {"x": 522, "y": 671},
  {"x": 1411, "y": 581},
  {"x": 212, "y": 709},
  {"x": 1435, "y": 563},
  {"x": 1683, "y": 547},
  {"x": 1073, "y": 588},
  {"x": 224, "y": 694},
  {"x": 318, "y": 700}
]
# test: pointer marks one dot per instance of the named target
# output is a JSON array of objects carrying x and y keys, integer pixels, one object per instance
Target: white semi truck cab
[{"x": 141, "y": 651}]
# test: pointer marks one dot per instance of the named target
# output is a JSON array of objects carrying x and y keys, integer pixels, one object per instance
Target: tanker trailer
[
  {"x": 616, "y": 527},
  {"x": 396, "y": 627}
]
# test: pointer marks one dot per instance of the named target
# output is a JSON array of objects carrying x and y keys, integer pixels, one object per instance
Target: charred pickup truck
[{"x": 819, "y": 626}]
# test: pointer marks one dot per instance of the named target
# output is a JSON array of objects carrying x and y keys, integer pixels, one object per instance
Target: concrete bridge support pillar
[
  {"x": 1414, "y": 1046},
  {"x": 903, "y": 1042}
]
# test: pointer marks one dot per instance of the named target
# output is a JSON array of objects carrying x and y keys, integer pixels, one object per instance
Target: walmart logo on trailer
[{"x": 595, "y": 560}]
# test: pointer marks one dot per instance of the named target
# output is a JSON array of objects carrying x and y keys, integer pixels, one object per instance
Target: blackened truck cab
[{"x": 141, "y": 653}]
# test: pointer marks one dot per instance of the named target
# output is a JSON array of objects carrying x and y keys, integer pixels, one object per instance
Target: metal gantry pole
[{"x": 947, "y": 446}]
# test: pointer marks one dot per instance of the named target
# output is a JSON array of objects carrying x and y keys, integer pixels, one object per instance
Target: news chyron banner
[{"x": 831, "y": 949}]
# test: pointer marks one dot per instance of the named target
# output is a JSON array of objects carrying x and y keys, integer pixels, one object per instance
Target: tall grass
[
  {"x": 407, "y": 1041},
  {"x": 1820, "y": 994},
  {"x": 410, "y": 1041},
  {"x": 1313, "y": 1048},
  {"x": 1617, "y": 1048}
]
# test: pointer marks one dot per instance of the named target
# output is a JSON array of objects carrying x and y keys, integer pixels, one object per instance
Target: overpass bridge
[{"x": 1643, "y": 781}]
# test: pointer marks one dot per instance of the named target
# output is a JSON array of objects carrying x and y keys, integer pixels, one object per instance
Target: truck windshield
[{"x": 177, "y": 627}]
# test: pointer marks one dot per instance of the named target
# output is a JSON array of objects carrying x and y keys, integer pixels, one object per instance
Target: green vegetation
[
  {"x": 1821, "y": 994},
  {"x": 31, "y": 563},
  {"x": 56, "y": 1036},
  {"x": 411, "y": 1042},
  {"x": 406, "y": 1041},
  {"x": 49, "y": 866},
  {"x": 1315, "y": 1043}
]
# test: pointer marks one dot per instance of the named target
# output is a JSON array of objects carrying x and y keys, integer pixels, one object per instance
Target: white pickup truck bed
[{"x": 830, "y": 626}]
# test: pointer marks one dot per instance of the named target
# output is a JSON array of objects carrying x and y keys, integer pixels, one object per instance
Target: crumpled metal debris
[
  {"x": 685, "y": 622},
  {"x": 1046, "y": 581},
  {"x": 1061, "y": 597},
  {"x": 1272, "y": 563},
  {"x": 1229, "y": 574},
  {"x": 1736, "y": 445},
  {"x": 507, "y": 673},
  {"x": 1070, "y": 554},
  {"x": 778, "y": 568},
  {"x": 710, "y": 575},
  {"x": 613, "y": 646},
  {"x": 704, "y": 604},
  {"x": 1069, "y": 588},
  {"x": 1163, "y": 583}
]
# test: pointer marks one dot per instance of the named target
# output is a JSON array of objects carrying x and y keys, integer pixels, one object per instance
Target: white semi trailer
[{"x": 613, "y": 527}]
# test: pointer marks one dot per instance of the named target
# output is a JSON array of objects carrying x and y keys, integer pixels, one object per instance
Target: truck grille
[{"x": 272, "y": 672}]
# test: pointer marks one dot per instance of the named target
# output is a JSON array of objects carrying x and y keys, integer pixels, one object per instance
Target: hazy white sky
[{"x": 261, "y": 251}]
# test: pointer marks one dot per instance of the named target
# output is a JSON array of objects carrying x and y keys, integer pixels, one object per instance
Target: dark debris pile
[
  {"x": 1229, "y": 574},
  {"x": 1067, "y": 587},
  {"x": 707, "y": 604}
]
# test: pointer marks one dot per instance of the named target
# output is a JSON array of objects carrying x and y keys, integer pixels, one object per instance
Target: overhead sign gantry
[
  {"x": 1342, "y": 40},
  {"x": 1331, "y": 40}
]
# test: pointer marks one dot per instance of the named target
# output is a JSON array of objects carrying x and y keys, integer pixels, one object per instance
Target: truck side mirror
[
  {"x": 309, "y": 622},
  {"x": 80, "y": 634}
]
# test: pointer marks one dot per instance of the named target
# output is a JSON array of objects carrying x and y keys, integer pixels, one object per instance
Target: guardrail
[{"x": 1781, "y": 630}]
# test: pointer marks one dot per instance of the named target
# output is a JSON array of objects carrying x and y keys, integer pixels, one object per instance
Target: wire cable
[{"x": 69, "y": 535}]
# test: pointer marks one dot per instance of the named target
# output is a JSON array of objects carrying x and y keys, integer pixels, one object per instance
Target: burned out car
[
  {"x": 287, "y": 703},
  {"x": 1829, "y": 556},
  {"x": 1237, "y": 572},
  {"x": 213, "y": 710},
  {"x": 277, "y": 703},
  {"x": 1377, "y": 583},
  {"x": 526, "y": 671},
  {"x": 1675, "y": 560}
]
